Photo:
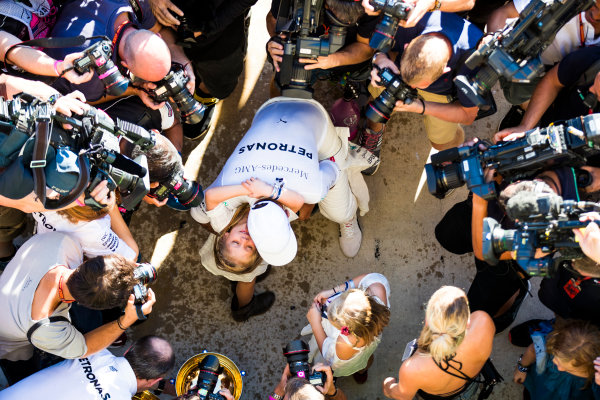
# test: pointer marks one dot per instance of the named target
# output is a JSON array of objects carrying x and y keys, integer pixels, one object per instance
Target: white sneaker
[{"x": 350, "y": 237}]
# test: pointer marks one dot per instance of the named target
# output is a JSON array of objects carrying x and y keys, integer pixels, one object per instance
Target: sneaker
[
  {"x": 513, "y": 117},
  {"x": 350, "y": 237},
  {"x": 371, "y": 141},
  {"x": 360, "y": 377},
  {"x": 197, "y": 131},
  {"x": 520, "y": 335}
]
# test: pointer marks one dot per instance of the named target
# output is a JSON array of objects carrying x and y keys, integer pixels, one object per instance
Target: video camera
[
  {"x": 514, "y": 53},
  {"x": 89, "y": 138},
  {"x": 299, "y": 23},
  {"x": 173, "y": 86},
  {"x": 393, "y": 12},
  {"x": 144, "y": 274},
  {"x": 98, "y": 57},
  {"x": 565, "y": 143},
  {"x": 381, "y": 108},
  {"x": 296, "y": 354},
  {"x": 543, "y": 221}
]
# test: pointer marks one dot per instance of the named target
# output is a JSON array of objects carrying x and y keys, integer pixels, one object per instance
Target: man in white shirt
[{"x": 101, "y": 375}]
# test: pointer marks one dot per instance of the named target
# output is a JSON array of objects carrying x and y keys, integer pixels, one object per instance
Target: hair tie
[{"x": 345, "y": 331}]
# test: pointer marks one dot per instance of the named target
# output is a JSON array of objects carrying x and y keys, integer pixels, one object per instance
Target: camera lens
[
  {"x": 380, "y": 110},
  {"x": 208, "y": 375},
  {"x": 440, "y": 179},
  {"x": 296, "y": 353},
  {"x": 189, "y": 193},
  {"x": 145, "y": 273},
  {"x": 191, "y": 111}
]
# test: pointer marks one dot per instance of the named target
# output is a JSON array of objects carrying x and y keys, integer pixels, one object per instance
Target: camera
[
  {"x": 563, "y": 143},
  {"x": 98, "y": 57},
  {"x": 543, "y": 221},
  {"x": 144, "y": 274},
  {"x": 209, "y": 370},
  {"x": 296, "y": 354},
  {"x": 381, "y": 108},
  {"x": 300, "y": 23},
  {"x": 188, "y": 193},
  {"x": 393, "y": 12},
  {"x": 173, "y": 86},
  {"x": 93, "y": 138},
  {"x": 514, "y": 52}
]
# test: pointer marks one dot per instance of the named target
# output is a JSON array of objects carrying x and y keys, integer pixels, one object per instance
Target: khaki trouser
[{"x": 12, "y": 223}]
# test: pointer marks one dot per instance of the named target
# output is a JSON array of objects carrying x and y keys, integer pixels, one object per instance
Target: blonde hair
[
  {"x": 446, "y": 319},
  {"x": 86, "y": 213},
  {"x": 424, "y": 59},
  {"x": 364, "y": 316},
  {"x": 221, "y": 252}
]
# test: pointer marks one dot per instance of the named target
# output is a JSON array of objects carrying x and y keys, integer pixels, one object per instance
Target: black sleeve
[
  {"x": 366, "y": 25},
  {"x": 225, "y": 15},
  {"x": 576, "y": 63},
  {"x": 275, "y": 7}
]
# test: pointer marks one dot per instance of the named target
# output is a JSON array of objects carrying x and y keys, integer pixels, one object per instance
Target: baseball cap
[
  {"x": 271, "y": 232},
  {"x": 62, "y": 172}
]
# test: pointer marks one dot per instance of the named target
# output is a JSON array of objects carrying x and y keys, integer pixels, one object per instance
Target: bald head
[
  {"x": 146, "y": 55},
  {"x": 150, "y": 357}
]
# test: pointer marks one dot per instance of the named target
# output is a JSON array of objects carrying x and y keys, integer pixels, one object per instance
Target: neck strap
[{"x": 61, "y": 294}]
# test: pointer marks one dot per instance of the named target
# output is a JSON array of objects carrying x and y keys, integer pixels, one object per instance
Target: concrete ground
[{"x": 193, "y": 305}]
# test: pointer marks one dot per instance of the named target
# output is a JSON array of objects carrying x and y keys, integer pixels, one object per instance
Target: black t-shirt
[
  {"x": 221, "y": 23},
  {"x": 569, "y": 303},
  {"x": 364, "y": 27},
  {"x": 569, "y": 102},
  {"x": 463, "y": 36}
]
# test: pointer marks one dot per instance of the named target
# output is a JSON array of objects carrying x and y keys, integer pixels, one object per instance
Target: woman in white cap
[{"x": 291, "y": 155}]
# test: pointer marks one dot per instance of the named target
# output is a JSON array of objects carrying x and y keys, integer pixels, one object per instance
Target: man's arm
[
  {"x": 452, "y": 112},
  {"x": 101, "y": 337},
  {"x": 497, "y": 20}
]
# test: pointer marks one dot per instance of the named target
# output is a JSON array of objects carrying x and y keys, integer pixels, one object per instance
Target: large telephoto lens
[
  {"x": 208, "y": 375},
  {"x": 189, "y": 193},
  {"x": 296, "y": 353},
  {"x": 145, "y": 273},
  {"x": 496, "y": 240},
  {"x": 441, "y": 178}
]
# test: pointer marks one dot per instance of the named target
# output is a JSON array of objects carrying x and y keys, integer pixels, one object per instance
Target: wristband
[
  {"x": 119, "y": 324},
  {"x": 437, "y": 5},
  {"x": 375, "y": 57},
  {"x": 334, "y": 393},
  {"x": 275, "y": 396},
  {"x": 56, "y": 66},
  {"x": 423, "y": 102}
]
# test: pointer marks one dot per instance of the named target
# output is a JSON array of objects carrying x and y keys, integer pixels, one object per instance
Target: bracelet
[
  {"x": 375, "y": 56},
  {"x": 275, "y": 396},
  {"x": 521, "y": 367},
  {"x": 119, "y": 323},
  {"x": 56, "y": 66},
  {"x": 437, "y": 5},
  {"x": 334, "y": 291},
  {"x": 53, "y": 98},
  {"x": 277, "y": 188},
  {"x": 423, "y": 102},
  {"x": 334, "y": 393}
]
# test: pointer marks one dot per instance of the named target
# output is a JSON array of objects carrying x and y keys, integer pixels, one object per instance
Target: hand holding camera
[
  {"x": 163, "y": 10},
  {"x": 589, "y": 237},
  {"x": 131, "y": 314}
]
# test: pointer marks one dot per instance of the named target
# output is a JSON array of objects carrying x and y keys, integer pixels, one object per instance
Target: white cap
[{"x": 271, "y": 232}]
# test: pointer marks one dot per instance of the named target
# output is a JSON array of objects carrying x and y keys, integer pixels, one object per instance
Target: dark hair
[
  {"x": 586, "y": 266},
  {"x": 346, "y": 11},
  {"x": 103, "y": 282},
  {"x": 536, "y": 186},
  {"x": 575, "y": 341},
  {"x": 163, "y": 159},
  {"x": 301, "y": 389},
  {"x": 150, "y": 357}
]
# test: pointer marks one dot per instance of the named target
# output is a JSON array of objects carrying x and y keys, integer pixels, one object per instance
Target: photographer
[
  {"x": 295, "y": 388},
  {"x": 38, "y": 284},
  {"x": 568, "y": 90},
  {"x": 421, "y": 7},
  {"x": 352, "y": 58},
  {"x": 100, "y": 375},
  {"x": 427, "y": 57},
  {"x": 215, "y": 35},
  {"x": 581, "y": 31}
]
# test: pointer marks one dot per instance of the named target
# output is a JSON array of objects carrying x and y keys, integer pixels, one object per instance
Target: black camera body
[
  {"x": 393, "y": 12},
  {"x": 514, "y": 52},
  {"x": 188, "y": 193},
  {"x": 296, "y": 353},
  {"x": 89, "y": 138},
  {"x": 564, "y": 143},
  {"x": 299, "y": 22},
  {"x": 145, "y": 274},
  {"x": 380, "y": 110},
  {"x": 173, "y": 86},
  {"x": 543, "y": 221},
  {"x": 209, "y": 370},
  {"x": 98, "y": 57}
]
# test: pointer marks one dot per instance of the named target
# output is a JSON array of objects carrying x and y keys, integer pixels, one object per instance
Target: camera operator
[
  {"x": 215, "y": 35},
  {"x": 354, "y": 57},
  {"x": 38, "y": 285},
  {"x": 427, "y": 57},
  {"x": 295, "y": 388},
  {"x": 568, "y": 90},
  {"x": 101, "y": 375},
  {"x": 581, "y": 31}
]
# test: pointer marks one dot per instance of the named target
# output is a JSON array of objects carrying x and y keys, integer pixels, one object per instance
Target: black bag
[{"x": 491, "y": 377}]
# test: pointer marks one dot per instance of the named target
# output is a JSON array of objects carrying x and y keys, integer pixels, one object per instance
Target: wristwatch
[{"x": 521, "y": 367}]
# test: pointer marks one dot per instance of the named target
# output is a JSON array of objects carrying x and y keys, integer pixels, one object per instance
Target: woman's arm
[
  {"x": 527, "y": 360},
  {"x": 314, "y": 319},
  {"x": 260, "y": 189},
  {"x": 405, "y": 388},
  {"x": 119, "y": 227}
]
